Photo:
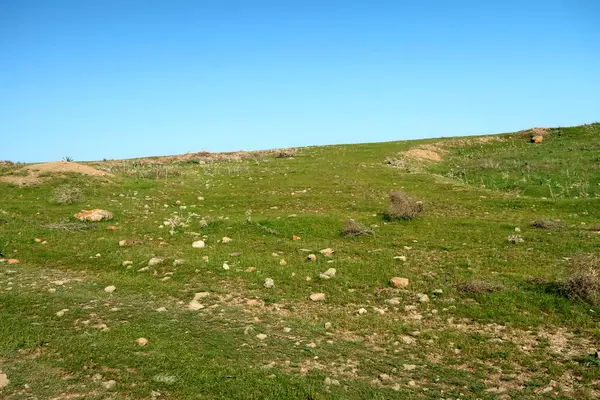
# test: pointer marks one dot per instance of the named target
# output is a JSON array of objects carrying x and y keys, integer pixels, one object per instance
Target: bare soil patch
[
  {"x": 423, "y": 154},
  {"x": 54, "y": 168}
]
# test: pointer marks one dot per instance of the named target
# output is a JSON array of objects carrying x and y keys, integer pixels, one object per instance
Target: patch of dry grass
[
  {"x": 477, "y": 287},
  {"x": 67, "y": 194},
  {"x": 583, "y": 283},
  {"x": 549, "y": 223},
  {"x": 403, "y": 207},
  {"x": 353, "y": 228}
]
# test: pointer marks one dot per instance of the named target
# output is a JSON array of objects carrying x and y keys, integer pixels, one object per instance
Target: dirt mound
[
  {"x": 33, "y": 172},
  {"x": 423, "y": 154}
]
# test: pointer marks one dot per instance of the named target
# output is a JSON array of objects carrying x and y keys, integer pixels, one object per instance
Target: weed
[
  {"x": 68, "y": 159},
  {"x": 477, "y": 287},
  {"x": 549, "y": 223},
  {"x": 353, "y": 228},
  {"x": 67, "y": 194},
  {"x": 403, "y": 207},
  {"x": 583, "y": 283}
]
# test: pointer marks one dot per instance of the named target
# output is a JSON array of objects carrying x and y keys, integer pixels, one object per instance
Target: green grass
[{"x": 518, "y": 341}]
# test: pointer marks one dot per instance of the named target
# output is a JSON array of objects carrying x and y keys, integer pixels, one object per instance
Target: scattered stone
[
  {"x": 311, "y": 257},
  {"x": 380, "y": 311},
  {"x": 37, "y": 240},
  {"x": 178, "y": 261},
  {"x": 295, "y": 237},
  {"x": 517, "y": 229},
  {"x": 409, "y": 367},
  {"x": 407, "y": 339},
  {"x": 537, "y": 139},
  {"x": 328, "y": 252},
  {"x": 155, "y": 261},
  {"x": 399, "y": 282},
  {"x": 412, "y": 383},
  {"x": 13, "y": 261},
  {"x": 384, "y": 377},
  {"x": 282, "y": 262},
  {"x": 515, "y": 239},
  {"x": 269, "y": 283},
  {"x": 317, "y": 296},
  {"x": 109, "y": 384},
  {"x": 226, "y": 239},
  {"x": 142, "y": 341},
  {"x": 127, "y": 243},
  {"x": 423, "y": 298},
  {"x": 225, "y": 266},
  {"x": 362, "y": 311},
  {"x": 95, "y": 215},
  {"x": 327, "y": 325},
  {"x": 287, "y": 330},
  {"x": 195, "y": 305},
  {"x": 330, "y": 273},
  {"x": 261, "y": 336},
  {"x": 144, "y": 269},
  {"x": 111, "y": 227},
  {"x": 312, "y": 345},
  {"x": 198, "y": 244},
  {"x": 110, "y": 289},
  {"x": 61, "y": 312},
  {"x": 126, "y": 263},
  {"x": 250, "y": 269},
  {"x": 393, "y": 301},
  {"x": 438, "y": 291},
  {"x": 3, "y": 381},
  {"x": 161, "y": 309},
  {"x": 205, "y": 258},
  {"x": 401, "y": 258},
  {"x": 235, "y": 254}
]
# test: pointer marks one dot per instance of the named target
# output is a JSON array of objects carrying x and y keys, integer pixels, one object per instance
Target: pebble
[
  {"x": 110, "y": 289},
  {"x": 438, "y": 291},
  {"x": 317, "y": 296},
  {"x": 328, "y": 252},
  {"x": 409, "y": 367},
  {"x": 62, "y": 312},
  {"x": 126, "y": 263},
  {"x": 330, "y": 273},
  {"x": 198, "y": 244},
  {"x": 384, "y": 377},
  {"x": 144, "y": 269},
  {"x": 269, "y": 283},
  {"x": 423, "y": 298},
  {"x": 401, "y": 258},
  {"x": 226, "y": 239},
  {"x": 327, "y": 325},
  {"x": 517, "y": 229},
  {"x": 178, "y": 261},
  {"x": 362, "y": 311},
  {"x": 287, "y": 330},
  {"x": 109, "y": 384},
  {"x": 312, "y": 345},
  {"x": 282, "y": 262},
  {"x": 142, "y": 341},
  {"x": 261, "y": 336},
  {"x": 195, "y": 305},
  {"x": 161, "y": 309},
  {"x": 311, "y": 257},
  {"x": 3, "y": 381},
  {"x": 225, "y": 266},
  {"x": 399, "y": 282},
  {"x": 393, "y": 301},
  {"x": 155, "y": 261}
]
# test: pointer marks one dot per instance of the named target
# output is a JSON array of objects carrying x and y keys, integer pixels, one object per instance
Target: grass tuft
[
  {"x": 549, "y": 223},
  {"x": 67, "y": 194},
  {"x": 403, "y": 207},
  {"x": 478, "y": 287},
  {"x": 583, "y": 283},
  {"x": 353, "y": 228}
]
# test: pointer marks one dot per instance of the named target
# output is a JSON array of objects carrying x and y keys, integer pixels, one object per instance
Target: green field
[{"x": 62, "y": 336}]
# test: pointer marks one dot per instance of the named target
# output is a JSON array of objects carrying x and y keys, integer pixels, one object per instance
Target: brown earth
[
  {"x": 59, "y": 168},
  {"x": 423, "y": 154}
]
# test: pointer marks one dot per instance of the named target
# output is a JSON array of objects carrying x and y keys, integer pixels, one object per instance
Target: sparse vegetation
[
  {"x": 403, "y": 207},
  {"x": 67, "y": 194},
  {"x": 583, "y": 282},
  {"x": 354, "y": 228},
  {"x": 477, "y": 287},
  {"x": 548, "y": 223}
]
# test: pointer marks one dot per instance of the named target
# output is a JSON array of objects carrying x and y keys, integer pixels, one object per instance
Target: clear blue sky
[{"x": 94, "y": 79}]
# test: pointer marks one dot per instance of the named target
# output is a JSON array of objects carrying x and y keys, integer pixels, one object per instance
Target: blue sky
[{"x": 118, "y": 79}]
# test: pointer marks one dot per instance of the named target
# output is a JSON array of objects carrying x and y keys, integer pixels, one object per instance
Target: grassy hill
[{"x": 497, "y": 320}]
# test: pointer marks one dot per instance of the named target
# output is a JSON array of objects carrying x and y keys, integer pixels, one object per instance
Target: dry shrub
[
  {"x": 583, "y": 283},
  {"x": 285, "y": 153},
  {"x": 477, "y": 287},
  {"x": 403, "y": 207},
  {"x": 548, "y": 223},
  {"x": 67, "y": 194},
  {"x": 395, "y": 162},
  {"x": 353, "y": 228}
]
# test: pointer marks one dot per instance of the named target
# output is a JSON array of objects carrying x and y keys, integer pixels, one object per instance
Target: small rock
[
  {"x": 201, "y": 295},
  {"x": 312, "y": 345},
  {"x": 282, "y": 262},
  {"x": 317, "y": 296},
  {"x": 62, "y": 312},
  {"x": 295, "y": 237},
  {"x": 517, "y": 229},
  {"x": 423, "y": 298},
  {"x": 177, "y": 262},
  {"x": 393, "y": 301},
  {"x": 537, "y": 139},
  {"x": 409, "y": 367},
  {"x": 261, "y": 336},
  {"x": 412, "y": 383},
  {"x": 127, "y": 243},
  {"x": 327, "y": 325},
  {"x": 287, "y": 330},
  {"x": 399, "y": 282},
  {"x": 95, "y": 215},
  {"x": 155, "y": 261},
  {"x": 438, "y": 291},
  {"x": 37, "y": 240},
  {"x": 144, "y": 269},
  {"x": 110, "y": 289},
  {"x": 142, "y": 341},
  {"x": 362, "y": 311},
  {"x": 198, "y": 244},
  {"x": 407, "y": 339},
  {"x": 127, "y": 262},
  {"x": 225, "y": 266},
  {"x": 195, "y": 305},
  {"x": 109, "y": 384},
  {"x": 330, "y": 273},
  {"x": 401, "y": 258},
  {"x": 12, "y": 261},
  {"x": 3, "y": 381},
  {"x": 328, "y": 252},
  {"x": 226, "y": 239},
  {"x": 311, "y": 257},
  {"x": 269, "y": 283},
  {"x": 161, "y": 309},
  {"x": 205, "y": 258},
  {"x": 384, "y": 377},
  {"x": 250, "y": 269}
]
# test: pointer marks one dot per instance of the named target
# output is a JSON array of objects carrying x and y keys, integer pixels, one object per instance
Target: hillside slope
[{"x": 483, "y": 315}]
